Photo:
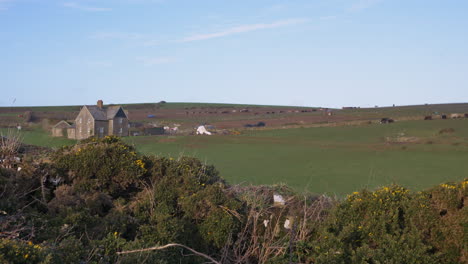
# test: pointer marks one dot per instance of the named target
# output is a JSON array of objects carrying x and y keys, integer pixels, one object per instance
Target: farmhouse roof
[
  {"x": 62, "y": 124},
  {"x": 112, "y": 111},
  {"x": 103, "y": 114},
  {"x": 96, "y": 112}
]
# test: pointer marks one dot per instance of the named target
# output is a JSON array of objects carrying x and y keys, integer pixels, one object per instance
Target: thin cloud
[
  {"x": 243, "y": 29},
  {"x": 364, "y": 4},
  {"x": 3, "y": 6},
  {"x": 85, "y": 8}
]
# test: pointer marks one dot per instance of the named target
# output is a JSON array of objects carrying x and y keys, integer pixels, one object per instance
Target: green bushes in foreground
[
  {"x": 100, "y": 197},
  {"x": 393, "y": 225}
]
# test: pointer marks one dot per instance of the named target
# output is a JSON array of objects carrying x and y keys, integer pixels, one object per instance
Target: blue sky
[{"x": 297, "y": 52}]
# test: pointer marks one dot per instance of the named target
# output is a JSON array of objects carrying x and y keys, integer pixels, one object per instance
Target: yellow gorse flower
[
  {"x": 447, "y": 186},
  {"x": 464, "y": 183},
  {"x": 140, "y": 163}
]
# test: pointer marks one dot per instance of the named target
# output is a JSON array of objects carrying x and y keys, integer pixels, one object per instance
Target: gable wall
[
  {"x": 71, "y": 133},
  {"x": 101, "y": 128},
  {"x": 120, "y": 126},
  {"x": 58, "y": 132},
  {"x": 84, "y": 124}
]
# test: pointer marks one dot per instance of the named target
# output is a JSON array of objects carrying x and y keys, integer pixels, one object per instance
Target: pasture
[
  {"x": 38, "y": 137},
  {"x": 296, "y": 150},
  {"x": 335, "y": 160}
]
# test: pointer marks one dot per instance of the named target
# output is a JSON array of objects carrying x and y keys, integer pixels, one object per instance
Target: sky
[{"x": 328, "y": 53}]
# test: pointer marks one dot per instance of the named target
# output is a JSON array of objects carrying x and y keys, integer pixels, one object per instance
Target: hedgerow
[{"x": 88, "y": 202}]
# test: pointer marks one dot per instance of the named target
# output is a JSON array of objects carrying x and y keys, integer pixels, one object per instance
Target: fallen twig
[{"x": 167, "y": 246}]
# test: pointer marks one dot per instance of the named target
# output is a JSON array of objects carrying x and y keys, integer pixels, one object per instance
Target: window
[
  {"x": 81, "y": 120},
  {"x": 101, "y": 130},
  {"x": 120, "y": 120},
  {"x": 120, "y": 131}
]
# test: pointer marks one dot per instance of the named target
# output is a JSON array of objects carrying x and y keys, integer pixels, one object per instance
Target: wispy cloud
[
  {"x": 151, "y": 61},
  {"x": 364, "y": 4},
  {"x": 85, "y": 8},
  {"x": 243, "y": 29},
  {"x": 3, "y": 5}
]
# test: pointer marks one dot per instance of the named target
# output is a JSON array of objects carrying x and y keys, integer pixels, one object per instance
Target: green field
[
  {"x": 336, "y": 160},
  {"x": 330, "y": 159},
  {"x": 38, "y": 137}
]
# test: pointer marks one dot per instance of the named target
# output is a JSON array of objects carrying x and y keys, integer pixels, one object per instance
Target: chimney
[{"x": 100, "y": 104}]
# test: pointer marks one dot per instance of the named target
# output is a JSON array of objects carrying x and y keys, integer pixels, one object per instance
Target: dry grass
[
  {"x": 263, "y": 235},
  {"x": 10, "y": 144}
]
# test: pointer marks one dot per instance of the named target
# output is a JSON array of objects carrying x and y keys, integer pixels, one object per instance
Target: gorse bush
[
  {"x": 185, "y": 203},
  {"x": 90, "y": 201},
  {"x": 100, "y": 196},
  {"x": 446, "y": 220},
  {"x": 106, "y": 165},
  {"x": 16, "y": 252},
  {"x": 372, "y": 227},
  {"x": 392, "y": 225}
]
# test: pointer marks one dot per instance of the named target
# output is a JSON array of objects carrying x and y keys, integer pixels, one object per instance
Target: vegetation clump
[{"x": 100, "y": 200}]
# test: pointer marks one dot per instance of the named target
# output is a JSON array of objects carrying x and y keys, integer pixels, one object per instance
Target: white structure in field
[{"x": 201, "y": 130}]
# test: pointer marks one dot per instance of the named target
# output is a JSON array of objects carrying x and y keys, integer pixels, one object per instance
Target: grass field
[
  {"x": 38, "y": 137},
  {"x": 330, "y": 159},
  {"x": 337, "y": 160}
]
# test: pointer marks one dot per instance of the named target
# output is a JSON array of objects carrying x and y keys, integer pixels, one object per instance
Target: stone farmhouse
[{"x": 95, "y": 121}]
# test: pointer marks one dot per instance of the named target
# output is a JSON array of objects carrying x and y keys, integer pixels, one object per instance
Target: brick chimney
[{"x": 100, "y": 104}]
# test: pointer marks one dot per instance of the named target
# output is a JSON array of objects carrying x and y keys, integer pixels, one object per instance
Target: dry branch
[{"x": 168, "y": 246}]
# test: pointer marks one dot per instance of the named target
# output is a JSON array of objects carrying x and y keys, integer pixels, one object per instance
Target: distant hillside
[{"x": 227, "y": 116}]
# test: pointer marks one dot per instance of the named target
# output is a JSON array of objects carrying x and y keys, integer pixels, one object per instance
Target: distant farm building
[
  {"x": 95, "y": 120},
  {"x": 154, "y": 131},
  {"x": 61, "y": 129}
]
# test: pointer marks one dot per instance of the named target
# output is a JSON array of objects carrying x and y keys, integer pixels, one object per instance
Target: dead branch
[{"x": 168, "y": 246}]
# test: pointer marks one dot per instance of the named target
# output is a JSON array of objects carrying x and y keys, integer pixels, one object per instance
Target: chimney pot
[{"x": 100, "y": 104}]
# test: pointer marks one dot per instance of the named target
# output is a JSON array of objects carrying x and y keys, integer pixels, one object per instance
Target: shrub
[
  {"x": 20, "y": 252},
  {"x": 445, "y": 222},
  {"x": 106, "y": 165},
  {"x": 185, "y": 203},
  {"x": 372, "y": 227}
]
